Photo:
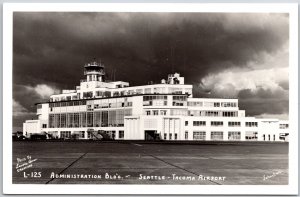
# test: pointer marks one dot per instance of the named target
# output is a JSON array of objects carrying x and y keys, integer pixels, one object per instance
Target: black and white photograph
[{"x": 152, "y": 98}]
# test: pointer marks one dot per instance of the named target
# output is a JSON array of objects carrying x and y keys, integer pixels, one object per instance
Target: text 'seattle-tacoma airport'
[{"x": 99, "y": 109}]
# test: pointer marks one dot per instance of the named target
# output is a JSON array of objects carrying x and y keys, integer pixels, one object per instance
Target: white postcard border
[{"x": 9, "y": 188}]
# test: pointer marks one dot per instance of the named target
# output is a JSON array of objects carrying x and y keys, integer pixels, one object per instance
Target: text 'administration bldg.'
[{"x": 165, "y": 111}]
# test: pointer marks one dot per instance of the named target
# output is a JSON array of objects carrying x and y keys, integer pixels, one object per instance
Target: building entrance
[{"x": 150, "y": 135}]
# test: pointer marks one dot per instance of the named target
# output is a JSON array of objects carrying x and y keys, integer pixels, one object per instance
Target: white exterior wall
[
  {"x": 137, "y": 105},
  {"x": 31, "y": 126},
  {"x": 43, "y": 112},
  {"x": 172, "y": 125},
  {"x": 269, "y": 128},
  {"x": 133, "y": 128}
]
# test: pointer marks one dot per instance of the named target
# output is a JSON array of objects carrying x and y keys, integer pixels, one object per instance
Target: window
[
  {"x": 99, "y": 93},
  {"x": 186, "y": 135},
  {"x": 251, "y": 135},
  {"x": 121, "y": 134},
  {"x": 234, "y": 135},
  {"x": 65, "y": 134},
  {"x": 179, "y": 100},
  {"x": 234, "y": 124},
  {"x": 107, "y": 94},
  {"x": 90, "y": 117},
  {"x": 116, "y": 94},
  {"x": 155, "y": 112},
  {"x": 76, "y": 120},
  {"x": 87, "y": 94},
  {"x": 163, "y": 112},
  {"x": 208, "y": 104},
  {"x": 186, "y": 123},
  {"x": 216, "y": 104},
  {"x": 70, "y": 120},
  {"x": 139, "y": 91},
  {"x": 229, "y": 114},
  {"x": 175, "y": 137},
  {"x": 216, "y": 123},
  {"x": 130, "y": 92},
  {"x": 155, "y": 100},
  {"x": 82, "y": 134},
  {"x": 165, "y": 136},
  {"x": 199, "y": 135},
  {"x": 216, "y": 135},
  {"x": 63, "y": 120},
  {"x": 251, "y": 124},
  {"x": 51, "y": 121},
  {"x": 228, "y": 104},
  {"x": 148, "y": 113},
  {"x": 44, "y": 125},
  {"x": 113, "y": 134},
  {"x": 283, "y": 126},
  {"x": 147, "y": 90},
  {"x": 178, "y": 112},
  {"x": 199, "y": 123},
  {"x": 89, "y": 134},
  {"x": 170, "y": 136},
  {"x": 195, "y": 104},
  {"x": 211, "y": 113}
]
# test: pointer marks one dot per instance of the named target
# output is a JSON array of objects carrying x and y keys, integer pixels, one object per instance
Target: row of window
[
  {"x": 220, "y": 123},
  {"x": 180, "y": 98},
  {"x": 211, "y": 104},
  {"x": 124, "y": 93},
  {"x": 69, "y": 103},
  {"x": 216, "y": 135},
  {"x": 155, "y": 100},
  {"x": 64, "y": 98},
  {"x": 90, "y": 134},
  {"x": 251, "y": 124},
  {"x": 111, "y": 118},
  {"x": 213, "y": 113},
  {"x": 103, "y": 104},
  {"x": 155, "y": 103},
  {"x": 219, "y": 135},
  {"x": 156, "y": 112},
  {"x": 173, "y": 112},
  {"x": 110, "y": 134},
  {"x": 110, "y": 105},
  {"x": 154, "y": 97},
  {"x": 170, "y": 136}
]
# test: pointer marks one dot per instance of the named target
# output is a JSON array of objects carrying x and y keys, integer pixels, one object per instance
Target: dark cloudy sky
[{"x": 229, "y": 55}]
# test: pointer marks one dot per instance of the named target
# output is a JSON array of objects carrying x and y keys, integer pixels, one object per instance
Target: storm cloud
[{"x": 51, "y": 49}]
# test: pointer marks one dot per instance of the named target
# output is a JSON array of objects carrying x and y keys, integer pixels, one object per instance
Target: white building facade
[{"x": 165, "y": 111}]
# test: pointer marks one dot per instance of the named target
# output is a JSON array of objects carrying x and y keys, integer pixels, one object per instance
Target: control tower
[{"x": 94, "y": 71}]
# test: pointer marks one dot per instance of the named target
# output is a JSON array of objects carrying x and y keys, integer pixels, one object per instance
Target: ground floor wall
[{"x": 172, "y": 128}]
